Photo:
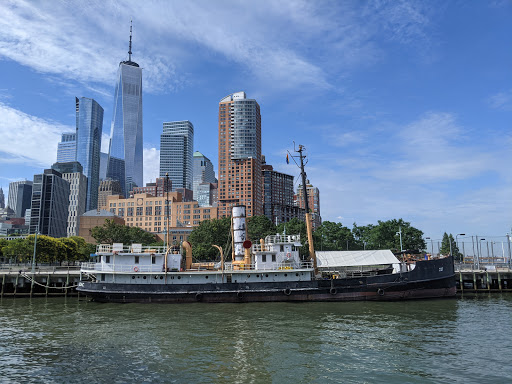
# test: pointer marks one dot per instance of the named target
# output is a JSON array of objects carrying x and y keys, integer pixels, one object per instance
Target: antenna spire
[{"x": 130, "y": 48}]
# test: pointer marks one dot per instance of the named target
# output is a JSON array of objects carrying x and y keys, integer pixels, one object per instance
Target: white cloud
[
  {"x": 105, "y": 142},
  {"x": 151, "y": 164},
  {"x": 501, "y": 100},
  {"x": 23, "y": 137},
  {"x": 84, "y": 41}
]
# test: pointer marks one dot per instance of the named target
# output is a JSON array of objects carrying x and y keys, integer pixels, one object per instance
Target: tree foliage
[
  {"x": 445, "y": 246},
  {"x": 258, "y": 227},
  {"x": 48, "y": 249},
  {"x": 332, "y": 236},
  {"x": 385, "y": 235},
  {"x": 111, "y": 232},
  {"x": 209, "y": 232}
]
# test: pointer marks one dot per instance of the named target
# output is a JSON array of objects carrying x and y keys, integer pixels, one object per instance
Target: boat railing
[
  {"x": 131, "y": 248},
  {"x": 279, "y": 239},
  {"x": 268, "y": 266},
  {"x": 123, "y": 268}
]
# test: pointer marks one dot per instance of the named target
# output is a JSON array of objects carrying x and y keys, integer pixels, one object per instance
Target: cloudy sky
[{"x": 405, "y": 107}]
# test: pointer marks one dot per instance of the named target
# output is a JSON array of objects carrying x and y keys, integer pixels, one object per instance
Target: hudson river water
[{"x": 59, "y": 340}]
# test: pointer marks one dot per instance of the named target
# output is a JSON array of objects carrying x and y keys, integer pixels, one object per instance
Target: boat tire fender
[
  {"x": 135, "y": 269},
  {"x": 380, "y": 292},
  {"x": 239, "y": 294},
  {"x": 199, "y": 296},
  {"x": 333, "y": 291},
  {"x": 287, "y": 291}
]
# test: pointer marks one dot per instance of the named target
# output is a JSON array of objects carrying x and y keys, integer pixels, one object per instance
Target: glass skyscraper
[
  {"x": 125, "y": 162},
  {"x": 66, "y": 150},
  {"x": 203, "y": 172},
  {"x": 89, "y": 127},
  {"x": 176, "y": 152}
]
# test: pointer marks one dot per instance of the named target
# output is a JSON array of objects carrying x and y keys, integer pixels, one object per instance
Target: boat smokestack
[
  {"x": 239, "y": 232},
  {"x": 188, "y": 257}
]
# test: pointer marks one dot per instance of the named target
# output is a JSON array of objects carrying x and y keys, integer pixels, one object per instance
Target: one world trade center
[{"x": 125, "y": 149}]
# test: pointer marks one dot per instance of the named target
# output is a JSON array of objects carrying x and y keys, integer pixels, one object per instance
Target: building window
[{"x": 139, "y": 211}]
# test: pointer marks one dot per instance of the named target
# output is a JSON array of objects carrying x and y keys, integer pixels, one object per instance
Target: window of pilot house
[
  {"x": 274, "y": 258},
  {"x": 153, "y": 259},
  {"x": 282, "y": 248},
  {"x": 136, "y": 259},
  {"x": 263, "y": 258},
  {"x": 107, "y": 258}
]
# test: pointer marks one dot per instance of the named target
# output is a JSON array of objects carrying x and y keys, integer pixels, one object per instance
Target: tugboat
[{"x": 269, "y": 271}]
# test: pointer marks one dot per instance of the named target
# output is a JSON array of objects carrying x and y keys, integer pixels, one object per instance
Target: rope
[{"x": 47, "y": 286}]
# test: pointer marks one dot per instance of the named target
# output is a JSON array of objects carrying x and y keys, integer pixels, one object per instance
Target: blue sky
[{"x": 405, "y": 107}]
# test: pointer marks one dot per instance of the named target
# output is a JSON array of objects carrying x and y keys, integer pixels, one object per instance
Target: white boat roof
[{"x": 332, "y": 259}]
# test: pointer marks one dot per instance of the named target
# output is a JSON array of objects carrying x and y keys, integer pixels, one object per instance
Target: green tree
[
  {"x": 70, "y": 248},
  {"x": 258, "y": 227},
  {"x": 18, "y": 249},
  {"x": 3, "y": 243},
  {"x": 445, "y": 246},
  {"x": 332, "y": 236},
  {"x": 209, "y": 232},
  {"x": 385, "y": 235},
  {"x": 111, "y": 232},
  {"x": 84, "y": 249}
]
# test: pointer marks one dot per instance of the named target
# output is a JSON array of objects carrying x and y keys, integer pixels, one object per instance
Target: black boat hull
[{"x": 429, "y": 279}]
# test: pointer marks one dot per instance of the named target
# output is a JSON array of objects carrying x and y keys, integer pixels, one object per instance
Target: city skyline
[{"x": 404, "y": 107}]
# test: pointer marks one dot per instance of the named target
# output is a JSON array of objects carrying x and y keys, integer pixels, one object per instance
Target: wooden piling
[
  {"x": 3, "y": 285},
  {"x": 47, "y": 285}
]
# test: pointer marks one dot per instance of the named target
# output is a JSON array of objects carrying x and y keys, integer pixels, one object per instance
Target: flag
[{"x": 287, "y": 159}]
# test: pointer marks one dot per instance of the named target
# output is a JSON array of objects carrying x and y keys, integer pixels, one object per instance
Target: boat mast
[{"x": 309, "y": 226}]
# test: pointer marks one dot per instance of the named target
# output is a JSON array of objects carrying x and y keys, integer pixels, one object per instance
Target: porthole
[
  {"x": 257, "y": 275},
  {"x": 156, "y": 277},
  {"x": 133, "y": 277},
  {"x": 161, "y": 277},
  {"x": 206, "y": 277},
  {"x": 144, "y": 277},
  {"x": 179, "y": 277},
  {"x": 285, "y": 274},
  {"x": 296, "y": 274},
  {"x": 266, "y": 275}
]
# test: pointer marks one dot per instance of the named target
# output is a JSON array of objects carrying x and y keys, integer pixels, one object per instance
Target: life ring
[
  {"x": 135, "y": 269},
  {"x": 287, "y": 291},
  {"x": 380, "y": 292},
  {"x": 288, "y": 255},
  {"x": 333, "y": 291}
]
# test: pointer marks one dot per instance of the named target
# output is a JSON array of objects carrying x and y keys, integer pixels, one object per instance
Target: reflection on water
[{"x": 435, "y": 341}]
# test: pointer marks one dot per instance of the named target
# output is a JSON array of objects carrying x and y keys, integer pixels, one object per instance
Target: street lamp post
[
  {"x": 400, "y": 233},
  {"x": 34, "y": 255},
  {"x": 456, "y": 236},
  {"x": 432, "y": 243}
]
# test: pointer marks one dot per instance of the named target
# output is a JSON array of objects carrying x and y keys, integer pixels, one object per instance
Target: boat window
[
  {"x": 136, "y": 259},
  {"x": 282, "y": 248},
  {"x": 153, "y": 259},
  {"x": 263, "y": 258},
  {"x": 274, "y": 258},
  {"x": 102, "y": 277},
  {"x": 107, "y": 259}
]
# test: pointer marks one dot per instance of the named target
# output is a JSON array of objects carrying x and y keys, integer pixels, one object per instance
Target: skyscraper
[
  {"x": 72, "y": 172},
  {"x": 202, "y": 172},
  {"x": 240, "y": 180},
  {"x": 66, "y": 150},
  {"x": 89, "y": 127},
  {"x": 2, "y": 198},
  {"x": 313, "y": 196},
  {"x": 125, "y": 149},
  {"x": 176, "y": 153},
  {"x": 50, "y": 203},
  {"x": 19, "y": 198}
]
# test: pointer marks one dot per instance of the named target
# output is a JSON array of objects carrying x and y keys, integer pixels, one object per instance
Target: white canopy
[{"x": 333, "y": 259}]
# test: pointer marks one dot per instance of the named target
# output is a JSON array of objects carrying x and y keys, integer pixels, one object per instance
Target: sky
[{"x": 404, "y": 107}]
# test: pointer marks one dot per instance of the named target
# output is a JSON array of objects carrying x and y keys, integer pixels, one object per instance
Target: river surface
[{"x": 59, "y": 340}]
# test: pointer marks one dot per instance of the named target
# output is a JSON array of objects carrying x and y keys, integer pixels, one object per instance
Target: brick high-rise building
[
  {"x": 313, "y": 202},
  {"x": 240, "y": 180}
]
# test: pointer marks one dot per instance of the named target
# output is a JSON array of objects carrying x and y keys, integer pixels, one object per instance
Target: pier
[
  {"x": 17, "y": 280},
  {"x": 488, "y": 278}
]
